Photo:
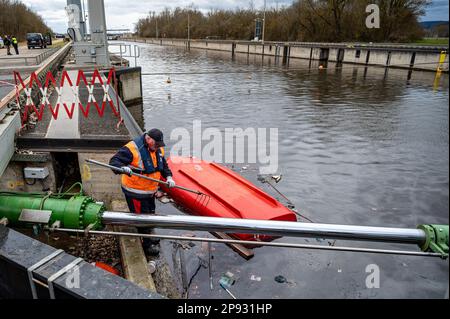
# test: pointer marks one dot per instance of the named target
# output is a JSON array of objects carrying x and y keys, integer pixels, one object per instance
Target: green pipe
[
  {"x": 76, "y": 212},
  {"x": 437, "y": 238}
]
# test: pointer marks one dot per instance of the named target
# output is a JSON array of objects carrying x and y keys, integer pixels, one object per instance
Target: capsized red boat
[{"x": 231, "y": 195}]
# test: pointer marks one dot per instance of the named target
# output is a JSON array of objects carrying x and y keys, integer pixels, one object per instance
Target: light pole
[
  {"x": 264, "y": 22},
  {"x": 189, "y": 30}
]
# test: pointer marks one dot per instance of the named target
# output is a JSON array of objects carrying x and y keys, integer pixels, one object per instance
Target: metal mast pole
[
  {"x": 189, "y": 30},
  {"x": 264, "y": 22}
]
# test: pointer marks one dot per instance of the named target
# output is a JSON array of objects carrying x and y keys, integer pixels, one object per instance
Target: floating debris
[
  {"x": 280, "y": 279},
  {"x": 151, "y": 266},
  {"x": 226, "y": 281},
  {"x": 165, "y": 200},
  {"x": 277, "y": 178},
  {"x": 255, "y": 278}
]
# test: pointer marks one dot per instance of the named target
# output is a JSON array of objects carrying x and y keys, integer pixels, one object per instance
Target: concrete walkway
[
  {"x": 25, "y": 57},
  {"x": 63, "y": 126}
]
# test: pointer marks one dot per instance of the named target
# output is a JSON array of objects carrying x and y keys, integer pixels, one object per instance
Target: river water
[{"x": 357, "y": 146}]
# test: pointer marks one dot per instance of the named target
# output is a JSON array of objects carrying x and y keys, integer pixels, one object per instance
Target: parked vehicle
[
  {"x": 113, "y": 37},
  {"x": 36, "y": 40}
]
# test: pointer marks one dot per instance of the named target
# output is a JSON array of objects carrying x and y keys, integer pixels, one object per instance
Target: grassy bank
[{"x": 433, "y": 41}]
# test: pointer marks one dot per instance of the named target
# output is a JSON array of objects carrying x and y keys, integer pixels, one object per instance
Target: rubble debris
[{"x": 98, "y": 249}]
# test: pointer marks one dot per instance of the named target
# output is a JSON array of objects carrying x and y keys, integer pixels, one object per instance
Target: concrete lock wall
[
  {"x": 13, "y": 178},
  {"x": 256, "y": 49},
  {"x": 333, "y": 55},
  {"x": 429, "y": 61},
  {"x": 241, "y": 48},
  {"x": 98, "y": 182},
  {"x": 400, "y": 58},
  {"x": 300, "y": 52},
  {"x": 217, "y": 46},
  {"x": 379, "y": 56},
  {"x": 272, "y": 50},
  {"x": 131, "y": 86},
  {"x": 316, "y": 53},
  {"x": 198, "y": 45},
  {"x": 358, "y": 56},
  {"x": 446, "y": 61}
]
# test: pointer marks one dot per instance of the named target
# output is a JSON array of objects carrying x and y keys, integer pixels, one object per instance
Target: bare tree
[{"x": 304, "y": 20}]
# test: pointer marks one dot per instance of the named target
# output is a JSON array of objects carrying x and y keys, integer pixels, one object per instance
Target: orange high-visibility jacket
[{"x": 138, "y": 185}]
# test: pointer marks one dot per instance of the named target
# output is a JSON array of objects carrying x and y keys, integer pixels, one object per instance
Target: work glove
[
  {"x": 126, "y": 170},
  {"x": 170, "y": 182}
]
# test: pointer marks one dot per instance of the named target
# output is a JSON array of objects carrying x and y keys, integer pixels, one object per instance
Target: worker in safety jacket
[
  {"x": 15, "y": 44},
  {"x": 144, "y": 155}
]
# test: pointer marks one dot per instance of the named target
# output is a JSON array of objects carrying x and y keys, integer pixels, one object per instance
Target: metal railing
[
  {"x": 47, "y": 64},
  {"x": 127, "y": 51},
  {"x": 28, "y": 60}
]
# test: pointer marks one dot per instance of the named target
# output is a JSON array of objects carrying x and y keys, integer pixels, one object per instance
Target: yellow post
[
  {"x": 441, "y": 60},
  {"x": 439, "y": 70}
]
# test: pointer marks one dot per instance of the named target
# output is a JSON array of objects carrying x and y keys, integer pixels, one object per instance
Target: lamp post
[
  {"x": 264, "y": 22},
  {"x": 189, "y": 30}
]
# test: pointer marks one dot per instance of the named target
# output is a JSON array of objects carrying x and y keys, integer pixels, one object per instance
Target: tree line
[
  {"x": 17, "y": 19},
  {"x": 304, "y": 20}
]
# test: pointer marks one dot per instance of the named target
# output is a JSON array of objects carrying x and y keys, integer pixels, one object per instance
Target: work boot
[
  {"x": 147, "y": 242},
  {"x": 152, "y": 250}
]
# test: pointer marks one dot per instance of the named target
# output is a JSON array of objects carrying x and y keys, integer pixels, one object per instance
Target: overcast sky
[{"x": 125, "y": 13}]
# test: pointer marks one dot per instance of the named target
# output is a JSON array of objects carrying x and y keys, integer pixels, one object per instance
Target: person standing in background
[
  {"x": 15, "y": 44},
  {"x": 7, "y": 43}
]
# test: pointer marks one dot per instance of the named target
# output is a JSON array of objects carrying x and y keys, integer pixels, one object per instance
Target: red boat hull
[{"x": 231, "y": 196}]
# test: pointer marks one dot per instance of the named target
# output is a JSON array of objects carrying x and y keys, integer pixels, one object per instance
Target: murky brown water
[{"x": 358, "y": 146}]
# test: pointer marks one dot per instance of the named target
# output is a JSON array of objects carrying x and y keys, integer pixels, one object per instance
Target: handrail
[{"x": 12, "y": 95}]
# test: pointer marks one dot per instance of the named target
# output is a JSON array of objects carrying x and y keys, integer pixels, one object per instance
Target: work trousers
[{"x": 143, "y": 206}]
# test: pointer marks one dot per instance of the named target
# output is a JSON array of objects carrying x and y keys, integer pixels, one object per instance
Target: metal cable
[{"x": 255, "y": 243}]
